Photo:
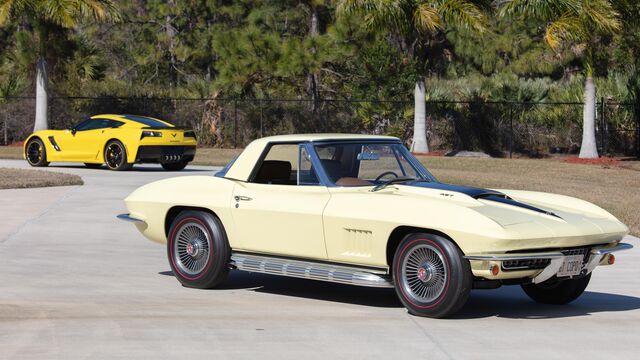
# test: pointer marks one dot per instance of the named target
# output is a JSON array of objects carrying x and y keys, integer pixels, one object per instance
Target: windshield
[{"x": 367, "y": 164}]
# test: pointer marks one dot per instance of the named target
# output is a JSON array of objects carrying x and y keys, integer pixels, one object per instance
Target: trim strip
[{"x": 128, "y": 217}]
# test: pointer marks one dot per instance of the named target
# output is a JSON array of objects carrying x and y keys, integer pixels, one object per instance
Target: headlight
[{"x": 151, "y": 134}]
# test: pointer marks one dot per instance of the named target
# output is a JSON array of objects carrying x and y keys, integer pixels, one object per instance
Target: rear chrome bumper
[
  {"x": 128, "y": 217},
  {"x": 556, "y": 258}
]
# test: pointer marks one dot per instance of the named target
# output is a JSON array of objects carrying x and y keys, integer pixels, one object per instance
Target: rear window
[{"x": 147, "y": 121}]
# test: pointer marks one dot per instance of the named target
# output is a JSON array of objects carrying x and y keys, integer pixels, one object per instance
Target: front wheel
[
  {"x": 431, "y": 276},
  {"x": 175, "y": 166},
  {"x": 115, "y": 156},
  {"x": 36, "y": 153},
  {"x": 557, "y": 292},
  {"x": 198, "y": 250}
]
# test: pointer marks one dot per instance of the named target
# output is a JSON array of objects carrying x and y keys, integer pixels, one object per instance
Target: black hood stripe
[{"x": 479, "y": 193}]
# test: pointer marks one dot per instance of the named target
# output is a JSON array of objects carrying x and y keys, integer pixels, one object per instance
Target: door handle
[{"x": 242, "y": 198}]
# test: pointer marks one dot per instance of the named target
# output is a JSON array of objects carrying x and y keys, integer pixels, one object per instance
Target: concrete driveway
[{"x": 77, "y": 283}]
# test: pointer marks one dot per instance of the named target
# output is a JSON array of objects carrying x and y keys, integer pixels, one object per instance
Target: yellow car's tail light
[{"x": 150, "y": 134}]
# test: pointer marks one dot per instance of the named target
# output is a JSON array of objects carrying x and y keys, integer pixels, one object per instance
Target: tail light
[{"x": 150, "y": 134}]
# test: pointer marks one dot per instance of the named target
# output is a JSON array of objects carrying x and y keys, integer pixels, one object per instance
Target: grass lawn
[
  {"x": 21, "y": 178},
  {"x": 615, "y": 188}
]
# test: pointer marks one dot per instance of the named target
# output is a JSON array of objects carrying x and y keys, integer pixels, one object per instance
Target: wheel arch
[
  {"x": 126, "y": 148},
  {"x": 26, "y": 143},
  {"x": 174, "y": 211},
  {"x": 400, "y": 232}
]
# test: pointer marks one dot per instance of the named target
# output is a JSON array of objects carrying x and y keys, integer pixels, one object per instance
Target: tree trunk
[
  {"x": 313, "y": 78},
  {"x": 171, "y": 32},
  {"x": 588, "y": 149},
  {"x": 42, "y": 94},
  {"x": 419, "y": 144}
]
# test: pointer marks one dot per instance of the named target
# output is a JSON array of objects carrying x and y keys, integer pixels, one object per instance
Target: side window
[
  {"x": 280, "y": 166},
  {"x": 115, "y": 124},
  {"x": 306, "y": 173},
  {"x": 93, "y": 124}
]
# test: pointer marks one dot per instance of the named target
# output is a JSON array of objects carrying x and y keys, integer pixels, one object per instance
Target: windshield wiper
[{"x": 394, "y": 181}]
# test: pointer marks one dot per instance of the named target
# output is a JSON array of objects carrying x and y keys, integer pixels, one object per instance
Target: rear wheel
[
  {"x": 557, "y": 292},
  {"x": 175, "y": 166},
  {"x": 36, "y": 153},
  {"x": 198, "y": 250},
  {"x": 115, "y": 156},
  {"x": 431, "y": 276}
]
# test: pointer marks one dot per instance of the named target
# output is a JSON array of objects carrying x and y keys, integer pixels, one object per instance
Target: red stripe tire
[
  {"x": 431, "y": 276},
  {"x": 198, "y": 250}
]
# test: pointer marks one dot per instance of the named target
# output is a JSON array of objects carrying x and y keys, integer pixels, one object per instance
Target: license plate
[{"x": 571, "y": 266}]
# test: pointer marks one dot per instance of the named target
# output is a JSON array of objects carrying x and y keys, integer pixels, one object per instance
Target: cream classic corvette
[{"x": 362, "y": 210}]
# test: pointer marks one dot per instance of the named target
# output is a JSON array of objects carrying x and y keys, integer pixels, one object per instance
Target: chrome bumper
[
  {"x": 128, "y": 217},
  {"x": 556, "y": 259}
]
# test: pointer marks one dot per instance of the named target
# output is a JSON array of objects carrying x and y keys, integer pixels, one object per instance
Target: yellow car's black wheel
[
  {"x": 198, "y": 250},
  {"x": 36, "y": 153},
  {"x": 115, "y": 156},
  {"x": 557, "y": 292}
]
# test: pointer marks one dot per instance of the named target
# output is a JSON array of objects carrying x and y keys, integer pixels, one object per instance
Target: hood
[
  {"x": 480, "y": 194},
  {"x": 538, "y": 213}
]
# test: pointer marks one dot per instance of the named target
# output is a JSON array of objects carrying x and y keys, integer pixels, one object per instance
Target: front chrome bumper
[{"x": 556, "y": 258}]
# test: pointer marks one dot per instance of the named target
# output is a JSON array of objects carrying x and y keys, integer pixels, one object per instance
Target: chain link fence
[{"x": 497, "y": 128}]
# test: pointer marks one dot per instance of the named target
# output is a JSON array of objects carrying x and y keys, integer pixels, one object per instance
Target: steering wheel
[{"x": 385, "y": 174}]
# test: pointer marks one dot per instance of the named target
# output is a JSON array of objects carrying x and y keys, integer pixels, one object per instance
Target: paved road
[{"x": 77, "y": 283}]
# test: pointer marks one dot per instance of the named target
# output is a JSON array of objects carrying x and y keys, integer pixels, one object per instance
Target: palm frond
[
  {"x": 426, "y": 18},
  {"x": 464, "y": 13},
  {"x": 567, "y": 27},
  {"x": 540, "y": 9},
  {"x": 602, "y": 15}
]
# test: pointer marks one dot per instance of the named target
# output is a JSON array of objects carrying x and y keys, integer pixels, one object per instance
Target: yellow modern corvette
[
  {"x": 362, "y": 210},
  {"x": 119, "y": 141}
]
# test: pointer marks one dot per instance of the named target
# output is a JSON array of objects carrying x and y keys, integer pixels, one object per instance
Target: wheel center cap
[
  {"x": 193, "y": 248},
  {"x": 425, "y": 273}
]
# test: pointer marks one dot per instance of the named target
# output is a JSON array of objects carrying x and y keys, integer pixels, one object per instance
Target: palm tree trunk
[
  {"x": 588, "y": 149},
  {"x": 42, "y": 95},
  {"x": 42, "y": 81},
  {"x": 419, "y": 144}
]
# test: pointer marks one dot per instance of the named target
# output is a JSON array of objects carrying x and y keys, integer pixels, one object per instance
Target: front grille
[
  {"x": 528, "y": 264},
  {"x": 535, "y": 264},
  {"x": 582, "y": 251}
]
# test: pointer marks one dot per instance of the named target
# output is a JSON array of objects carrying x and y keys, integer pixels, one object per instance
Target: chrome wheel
[
  {"x": 425, "y": 274},
  {"x": 114, "y": 155},
  {"x": 34, "y": 152},
  {"x": 191, "y": 248}
]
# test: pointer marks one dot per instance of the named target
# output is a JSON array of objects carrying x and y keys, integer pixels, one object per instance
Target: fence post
[
  {"x": 235, "y": 123},
  {"x": 261, "y": 134},
  {"x": 510, "y": 130},
  {"x": 6, "y": 125},
  {"x": 602, "y": 126}
]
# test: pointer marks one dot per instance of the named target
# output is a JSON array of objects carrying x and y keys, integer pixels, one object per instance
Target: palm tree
[
  {"x": 414, "y": 25},
  {"x": 46, "y": 16},
  {"x": 576, "y": 23}
]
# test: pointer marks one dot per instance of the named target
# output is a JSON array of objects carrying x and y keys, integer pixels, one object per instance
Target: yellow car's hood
[{"x": 537, "y": 214}]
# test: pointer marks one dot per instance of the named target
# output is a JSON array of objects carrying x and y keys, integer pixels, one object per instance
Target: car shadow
[
  {"x": 134, "y": 169},
  {"x": 506, "y": 302},
  {"x": 511, "y": 302}
]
